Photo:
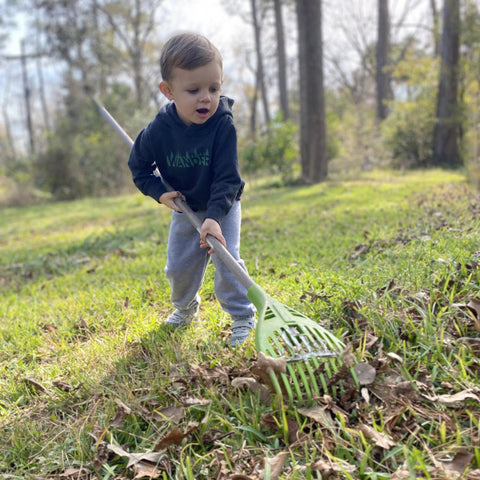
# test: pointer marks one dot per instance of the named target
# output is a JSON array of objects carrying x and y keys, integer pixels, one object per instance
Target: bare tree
[
  {"x": 281, "y": 59},
  {"x": 446, "y": 151},
  {"x": 384, "y": 89},
  {"x": 260, "y": 71},
  {"x": 313, "y": 137},
  {"x": 435, "y": 30}
]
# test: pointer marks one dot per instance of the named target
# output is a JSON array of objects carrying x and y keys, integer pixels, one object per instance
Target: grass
[{"x": 388, "y": 262}]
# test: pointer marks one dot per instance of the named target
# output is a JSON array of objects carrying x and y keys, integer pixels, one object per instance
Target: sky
[
  {"x": 207, "y": 17},
  {"x": 230, "y": 33}
]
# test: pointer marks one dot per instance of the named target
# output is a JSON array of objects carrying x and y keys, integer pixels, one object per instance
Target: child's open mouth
[{"x": 202, "y": 111}]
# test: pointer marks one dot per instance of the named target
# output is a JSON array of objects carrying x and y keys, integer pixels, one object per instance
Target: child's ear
[{"x": 164, "y": 87}]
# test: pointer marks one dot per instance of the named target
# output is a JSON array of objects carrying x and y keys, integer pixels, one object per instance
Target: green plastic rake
[{"x": 313, "y": 354}]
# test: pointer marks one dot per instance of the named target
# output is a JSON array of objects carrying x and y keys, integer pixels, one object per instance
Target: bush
[
  {"x": 275, "y": 152},
  {"x": 409, "y": 129},
  {"x": 84, "y": 156}
]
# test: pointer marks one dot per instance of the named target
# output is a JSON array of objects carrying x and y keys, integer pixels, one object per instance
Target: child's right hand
[{"x": 168, "y": 200}]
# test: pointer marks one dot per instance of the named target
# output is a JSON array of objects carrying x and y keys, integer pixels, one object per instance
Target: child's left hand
[{"x": 211, "y": 227}]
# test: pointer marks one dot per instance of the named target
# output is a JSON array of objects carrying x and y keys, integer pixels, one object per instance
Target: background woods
[{"x": 320, "y": 87}]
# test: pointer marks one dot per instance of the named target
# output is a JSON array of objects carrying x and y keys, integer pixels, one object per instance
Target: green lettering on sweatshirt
[{"x": 189, "y": 159}]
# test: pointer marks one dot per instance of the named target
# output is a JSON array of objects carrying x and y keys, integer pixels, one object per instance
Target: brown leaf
[
  {"x": 361, "y": 249},
  {"x": 37, "y": 387},
  {"x": 254, "y": 386},
  {"x": 191, "y": 401},
  {"x": 365, "y": 373},
  {"x": 146, "y": 469},
  {"x": 75, "y": 474},
  {"x": 274, "y": 466},
  {"x": 134, "y": 458},
  {"x": 473, "y": 343},
  {"x": 270, "y": 364},
  {"x": 48, "y": 327},
  {"x": 327, "y": 467},
  {"x": 381, "y": 439},
  {"x": 173, "y": 414},
  {"x": 460, "y": 462},
  {"x": 122, "y": 412},
  {"x": 474, "y": 306},
  {"x": 175, "y": 437},
  {"x": 457, "y": 397},
  {"x": 65, "y": 387},
  {"x": 320, "y": 415}
]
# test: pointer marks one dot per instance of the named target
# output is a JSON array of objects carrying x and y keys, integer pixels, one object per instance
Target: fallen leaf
[
  {"x": 381, "y": 439},
  {"x": 327, "y": 467},
  {"x": 460, "y": 462},
  {"x": 254, "y": 386},
  {"x": 66, "y": 387},
  {"x": 37, "y": 387},
  {"x": 473, "y": 343},
  {"x": 75, "y": 474},
  {"x": 274, "y": 466},
  {"x": 474, "y": 306},
  {"x": 320, "y": 415},
  {"x": 122, "y": 412},
  {"x": 395, "y": 357},
  {"x": 267, "y": 364},
  {"x": 189, "y": 402},
  {"x": 457, "y": 397},
  {"x": 134, "y": 458},
  {"x": 175, "y": 437},
  {"x": 173, "y": 414},
  {"x": 146, "y": 469},
  {"x": 365, "y": 373}
]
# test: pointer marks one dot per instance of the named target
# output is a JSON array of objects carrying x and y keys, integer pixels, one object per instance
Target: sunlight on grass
[{"x": 387, "y": 261}]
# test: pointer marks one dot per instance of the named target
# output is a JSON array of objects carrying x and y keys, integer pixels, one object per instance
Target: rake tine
[
  {"x": 309, "y": 359},
  {"x": 290, "y": 341}
]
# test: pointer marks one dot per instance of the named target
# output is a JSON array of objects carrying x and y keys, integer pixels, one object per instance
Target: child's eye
[
  {"x": 214, "y": 90},
  {"x": 193, "y": 91}
]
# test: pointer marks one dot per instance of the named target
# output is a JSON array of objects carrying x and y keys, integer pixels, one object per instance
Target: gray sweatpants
[{"x": 187, "y": 262}]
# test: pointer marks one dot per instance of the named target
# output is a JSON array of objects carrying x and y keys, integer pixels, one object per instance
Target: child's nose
[{"x": 205, "y": 96}]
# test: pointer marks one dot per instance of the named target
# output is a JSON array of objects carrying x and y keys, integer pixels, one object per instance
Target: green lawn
[{"x": 389, "y": 262}]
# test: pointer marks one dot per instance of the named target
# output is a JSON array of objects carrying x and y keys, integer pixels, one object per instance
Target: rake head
[{"x": 313, "y": 353}]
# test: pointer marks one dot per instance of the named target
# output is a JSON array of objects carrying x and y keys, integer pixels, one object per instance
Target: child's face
[{"x": 196, "y": 93}]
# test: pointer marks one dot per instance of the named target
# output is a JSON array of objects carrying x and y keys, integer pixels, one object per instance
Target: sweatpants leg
[
  {"x": 186, "y": 262},
  {"x": 231, "y": 294}
]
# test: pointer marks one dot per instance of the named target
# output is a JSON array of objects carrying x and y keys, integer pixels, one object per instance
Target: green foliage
[
  {"x": 387, "y": 261},
  {"x": 408, "y": 131},
  {"x": 275, "y": 152},
  {"x": 84, "y": 156}
]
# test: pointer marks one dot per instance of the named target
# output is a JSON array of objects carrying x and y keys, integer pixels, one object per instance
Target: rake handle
[{"x": 196, "y": 222}]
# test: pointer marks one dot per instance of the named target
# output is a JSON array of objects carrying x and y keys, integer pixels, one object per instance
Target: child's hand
[
  {"x": 168, "y": 200},
  {"x": 211, "y": 227}
]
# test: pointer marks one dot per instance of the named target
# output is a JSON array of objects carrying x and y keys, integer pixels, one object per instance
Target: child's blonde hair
[{"x": 187, "y": 51}]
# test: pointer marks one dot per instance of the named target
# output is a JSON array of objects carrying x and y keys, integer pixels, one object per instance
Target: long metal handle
[{"x": 219, "y": 249}]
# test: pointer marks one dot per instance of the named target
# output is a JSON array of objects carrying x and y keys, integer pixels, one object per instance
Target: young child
[{"x": 193, "y": 143}]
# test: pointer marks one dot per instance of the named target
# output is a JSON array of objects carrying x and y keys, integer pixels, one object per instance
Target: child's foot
[
  {"x": 241, "y": 328},
  {"x": 184, "y": 317}
]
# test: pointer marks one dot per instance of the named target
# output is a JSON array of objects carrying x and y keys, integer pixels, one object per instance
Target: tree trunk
[
  {"x": 260, "y": 71},
  {"x": 446, "y": 151},
  {"x": 436, "y": 31},
  {"x": 281, "y": 60},
  {"x": 27, "y": 93},
  {"x": 384, "y": 89},
  {"x": 313, "y": 141}
]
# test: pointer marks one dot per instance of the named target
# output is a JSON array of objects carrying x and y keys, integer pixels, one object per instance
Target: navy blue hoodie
[{"x": 200, "y": 161}]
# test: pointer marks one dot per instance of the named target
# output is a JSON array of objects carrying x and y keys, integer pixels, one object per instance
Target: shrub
[
  {"x": 409, "y": 129},
  {"x": 275, "y": 152}
]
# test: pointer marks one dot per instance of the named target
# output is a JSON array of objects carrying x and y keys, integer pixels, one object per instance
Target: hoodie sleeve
[
  {"x": 227, "y": 185},
  {"x": 142, "y": 165}
]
